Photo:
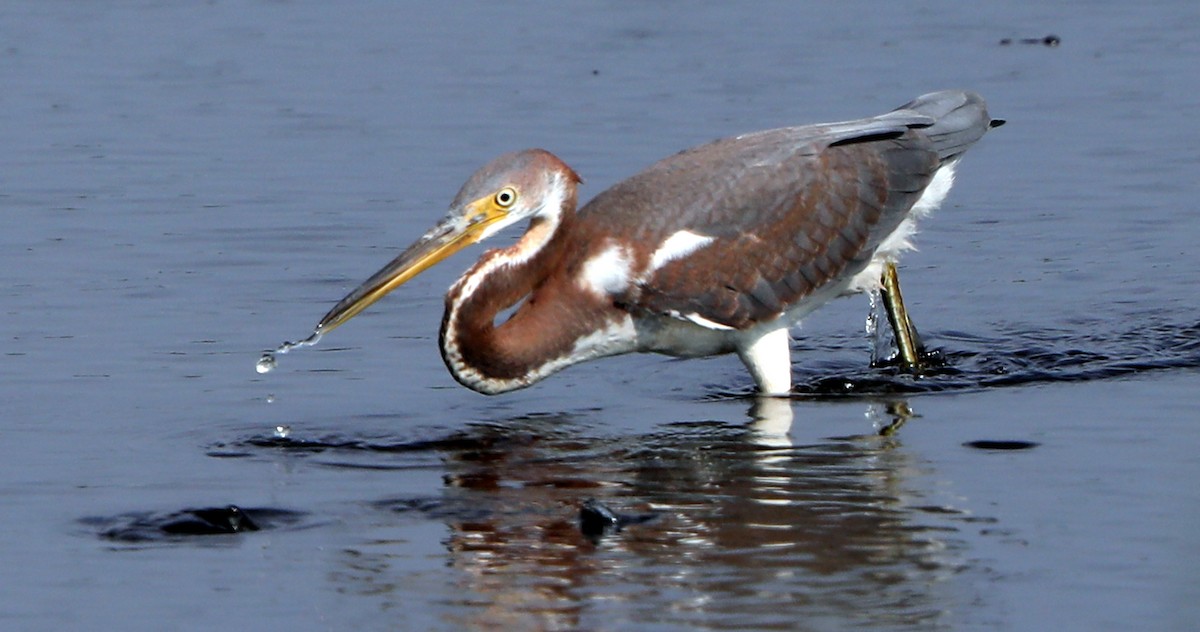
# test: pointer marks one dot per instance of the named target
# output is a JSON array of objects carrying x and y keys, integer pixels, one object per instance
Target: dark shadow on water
[{"x": 1001, "y": 445}]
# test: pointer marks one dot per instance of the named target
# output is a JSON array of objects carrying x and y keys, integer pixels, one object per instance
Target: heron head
[{"x": 516, "y": 186}]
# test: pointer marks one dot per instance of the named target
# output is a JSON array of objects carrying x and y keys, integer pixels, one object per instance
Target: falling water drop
[
  {"x": 881, "y": 343},
  {"x": 268, "y": 361},
  {"x": 873, "y": 314}
]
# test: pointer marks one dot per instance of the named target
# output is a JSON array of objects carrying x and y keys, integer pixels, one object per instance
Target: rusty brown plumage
[{"x": 715, "y": 249}]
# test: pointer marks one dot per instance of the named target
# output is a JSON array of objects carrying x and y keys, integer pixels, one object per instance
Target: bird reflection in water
[{"x": 750, "y": 528}]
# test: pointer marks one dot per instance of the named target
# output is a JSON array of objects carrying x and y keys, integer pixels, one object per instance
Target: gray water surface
[{"x": 184, "y": 185}]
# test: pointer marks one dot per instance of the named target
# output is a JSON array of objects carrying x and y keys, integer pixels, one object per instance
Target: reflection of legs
[
  {"x": 771, "y": 420},
  {"x": 900, "y": 412},
  {"x": 907, "y": 340}
]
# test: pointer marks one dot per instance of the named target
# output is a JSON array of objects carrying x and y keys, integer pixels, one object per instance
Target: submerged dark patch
[
  {"x": 145, "y": 526},
  {"x": 597, "y": 520}
]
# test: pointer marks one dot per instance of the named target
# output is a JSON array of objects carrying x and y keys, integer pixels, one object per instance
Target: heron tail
[{"x": 959, "y": 119}]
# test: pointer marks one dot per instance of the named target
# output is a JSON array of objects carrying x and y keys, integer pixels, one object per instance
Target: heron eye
[{"x": 506, "y": 197}]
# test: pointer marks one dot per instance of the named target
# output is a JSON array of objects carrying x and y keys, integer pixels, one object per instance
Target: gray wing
[{"x": 959, "y": 119}]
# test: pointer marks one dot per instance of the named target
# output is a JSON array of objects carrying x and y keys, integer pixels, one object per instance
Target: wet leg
[{"x": 907, "y": 340}]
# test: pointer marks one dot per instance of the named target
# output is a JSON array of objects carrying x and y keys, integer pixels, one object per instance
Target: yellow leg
[{"x": 907, "y": 341}]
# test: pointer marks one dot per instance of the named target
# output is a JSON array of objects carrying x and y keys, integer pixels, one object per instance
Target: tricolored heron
[{"x": 716, "y": 249}]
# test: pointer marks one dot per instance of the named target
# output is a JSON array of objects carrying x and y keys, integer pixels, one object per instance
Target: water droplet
[
  {"x": 873, "y": 313},
  {"x": 879, "y": 337},
  {"x": 282, "y": 431},
  {"x": 268, "y": 360},
  {"x": 265, "y": 363}
]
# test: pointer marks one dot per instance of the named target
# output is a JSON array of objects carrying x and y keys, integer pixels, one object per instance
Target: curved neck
[{"x": 491, "y": 358}]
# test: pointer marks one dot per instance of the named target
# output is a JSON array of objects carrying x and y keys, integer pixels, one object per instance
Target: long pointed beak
[{"x": 448, "y": 237}]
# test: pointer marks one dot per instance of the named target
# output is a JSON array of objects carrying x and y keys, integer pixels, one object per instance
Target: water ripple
[{"x": 1015, "y": 357}]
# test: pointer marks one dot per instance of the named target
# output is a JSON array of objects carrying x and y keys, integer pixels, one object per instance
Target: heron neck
[{"x": 490, "y": 357}]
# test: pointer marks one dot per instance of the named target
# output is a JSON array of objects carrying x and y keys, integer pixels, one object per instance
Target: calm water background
[{"x": 186, "y": 184}]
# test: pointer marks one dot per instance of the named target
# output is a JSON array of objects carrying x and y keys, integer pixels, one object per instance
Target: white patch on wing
[
  {"x": 703, "y": 322},
  {"x": 680, "y": 244},
  {"x": 608, "y": 272}
]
